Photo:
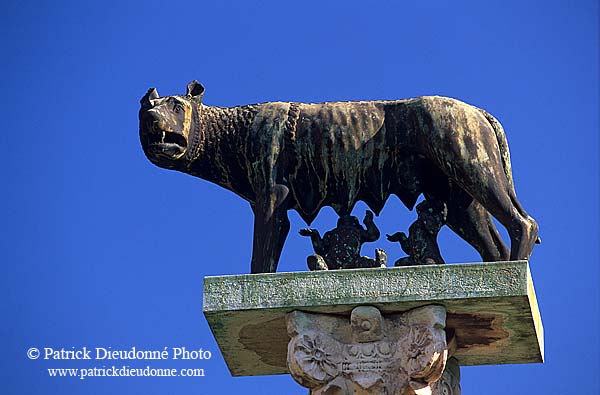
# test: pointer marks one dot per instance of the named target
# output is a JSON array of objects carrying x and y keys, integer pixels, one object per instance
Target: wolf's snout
[
  {"x": 155, "y": 126},
  {"x": 153, "y": 123}
]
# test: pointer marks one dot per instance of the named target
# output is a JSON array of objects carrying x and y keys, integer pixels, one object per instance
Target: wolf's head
[{"x": 166, "y": 122}]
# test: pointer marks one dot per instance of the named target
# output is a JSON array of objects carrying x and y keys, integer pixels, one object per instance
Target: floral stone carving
[
  {"x": 401, "y": 354},
  {"x": 449, "y": 383}
]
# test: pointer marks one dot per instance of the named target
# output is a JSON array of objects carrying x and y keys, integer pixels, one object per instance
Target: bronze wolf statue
[{"x": 284, "y": 156}]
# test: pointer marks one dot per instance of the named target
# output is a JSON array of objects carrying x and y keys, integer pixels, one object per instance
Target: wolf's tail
[
  {"x": 502, "y": 143},
  {"x": 505, "y": 154}
]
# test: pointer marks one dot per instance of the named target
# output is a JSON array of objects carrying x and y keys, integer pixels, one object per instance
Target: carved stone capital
[
  {"x": 449, "y": 383},
  {"x": 401, "y": 354}
]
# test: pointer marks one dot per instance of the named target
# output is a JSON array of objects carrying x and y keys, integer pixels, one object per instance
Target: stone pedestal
[{"x": 368, "y": 331}]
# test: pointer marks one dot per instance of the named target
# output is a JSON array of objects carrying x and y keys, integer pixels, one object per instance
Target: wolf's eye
[{"x": 177, "y": 108}]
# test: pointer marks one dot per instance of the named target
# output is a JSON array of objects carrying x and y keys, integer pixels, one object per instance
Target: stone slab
[{"x": 491, "y": 308}]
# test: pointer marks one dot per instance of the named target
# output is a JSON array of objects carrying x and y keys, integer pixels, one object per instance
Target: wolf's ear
[
  {"x": 150, "y": 95},
  {"x": 195, "y": 90}
]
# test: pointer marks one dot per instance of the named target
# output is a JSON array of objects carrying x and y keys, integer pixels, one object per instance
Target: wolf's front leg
[{"x": 271, "y": 227}]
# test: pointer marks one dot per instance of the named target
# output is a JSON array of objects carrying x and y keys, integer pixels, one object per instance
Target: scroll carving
[{"x": 402, "y": 354}]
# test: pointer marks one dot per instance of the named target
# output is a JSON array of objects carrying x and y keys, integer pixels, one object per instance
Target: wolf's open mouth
[
  {"x": 166, "y": 138},
  {"x": 166, "y": 143}
]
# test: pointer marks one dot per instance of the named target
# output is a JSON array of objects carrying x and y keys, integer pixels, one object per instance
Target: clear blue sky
[{"x": 102, "y": 249}]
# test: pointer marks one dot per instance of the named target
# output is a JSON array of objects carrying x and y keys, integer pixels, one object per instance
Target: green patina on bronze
[{"x": 284, "y": 156}]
